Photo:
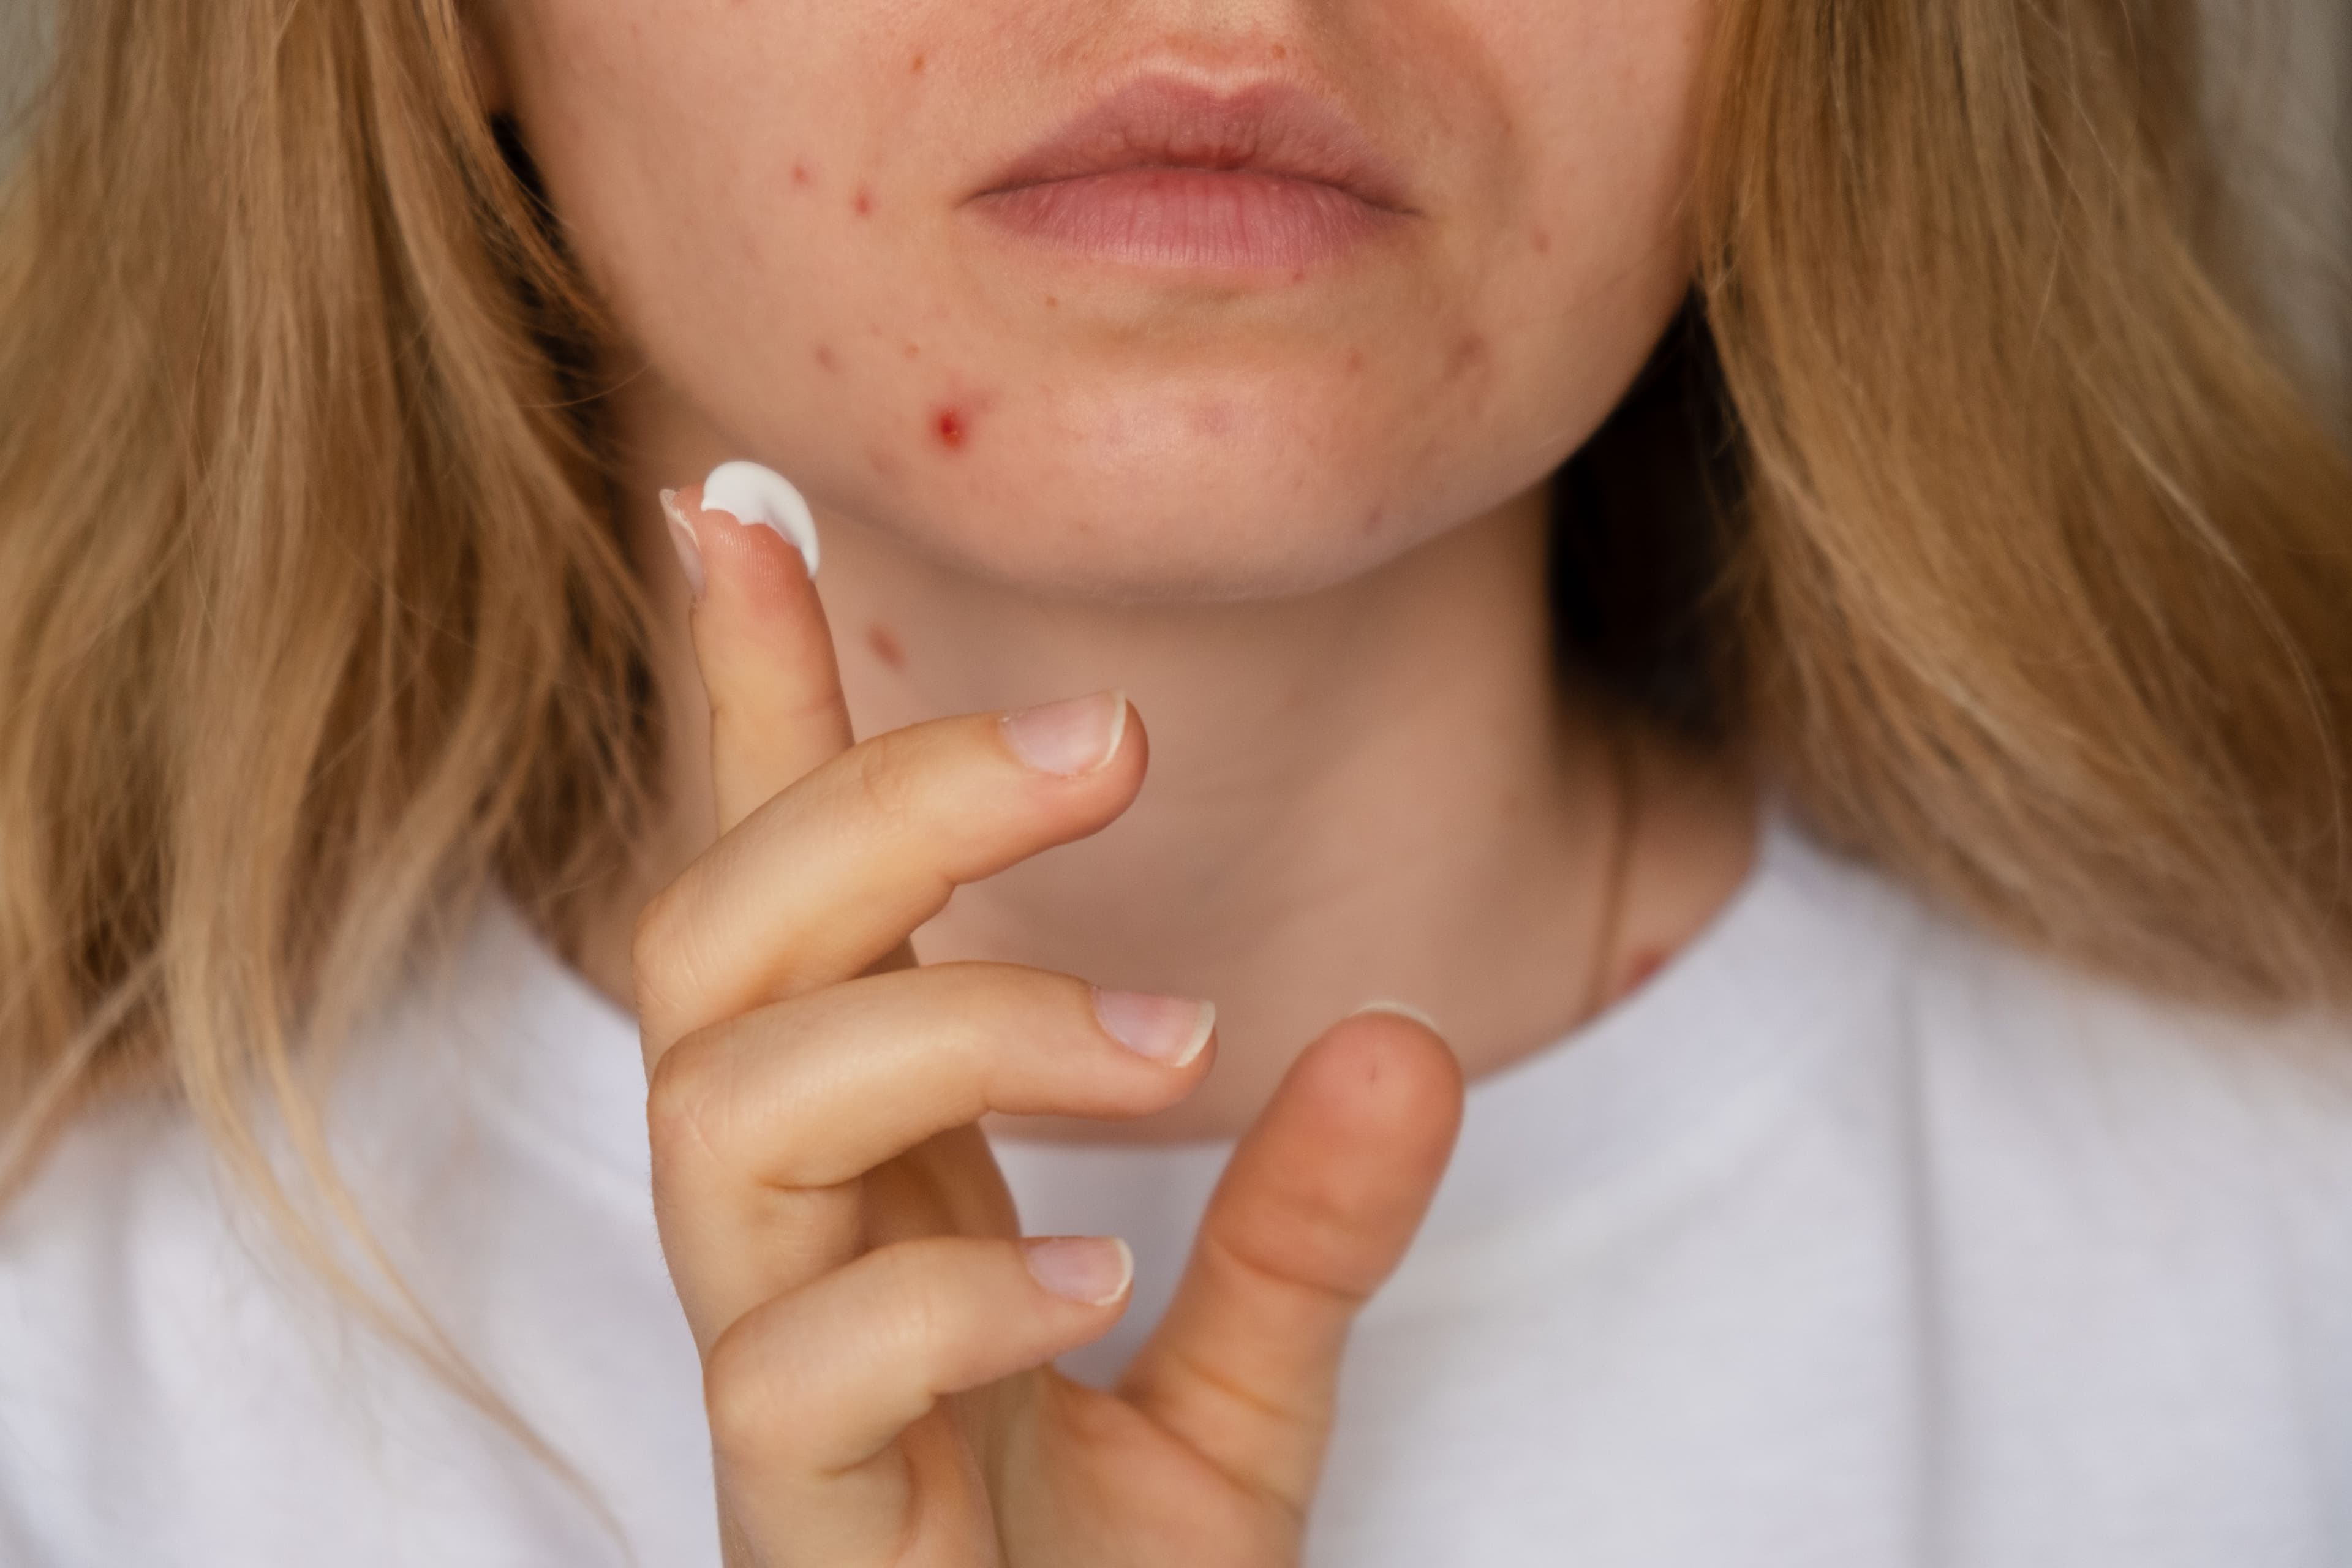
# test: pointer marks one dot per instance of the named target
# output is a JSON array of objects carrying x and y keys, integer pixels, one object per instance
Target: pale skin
[{"x": 1300, "y": 523}]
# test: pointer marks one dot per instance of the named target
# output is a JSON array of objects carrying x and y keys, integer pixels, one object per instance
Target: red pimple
[
  {"x": 949, "y": 425},
  {"x": 799, "y": 174},
  {"x": 863, "y": 202},
  {"x": 886, "y": 647}
]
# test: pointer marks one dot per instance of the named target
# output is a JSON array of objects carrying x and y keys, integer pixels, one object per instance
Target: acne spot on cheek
[
  {"x": 953, "y": 429},
  {"x": 1355, "y": 362},
  {"x": 912, "y": 350},
  {"x": 915, "y": 66},
  {"x": 1541, "y": 240},
  {"x": 1051, "y": 303},
  {"x": 885, "y": 645},
  {"x": 825, "y": 358},
  {"x": 863, "y": 203},
  {"x": 801, "y": 175}
]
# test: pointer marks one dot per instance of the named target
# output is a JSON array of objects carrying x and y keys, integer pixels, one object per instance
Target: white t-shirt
[{"x": 1854, "y": 1240}]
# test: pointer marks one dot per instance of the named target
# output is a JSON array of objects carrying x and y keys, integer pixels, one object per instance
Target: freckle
[
  {"x": 799, "y": 174},
  {"x": 915, "y": 66},
  {"x": 949, "y": 427},
  {"x": 863, "y": 202},
  {"x": 1542, "y": 239},
  {"x": 887, "y": 647},
  {"x": 825, "y": 357}
]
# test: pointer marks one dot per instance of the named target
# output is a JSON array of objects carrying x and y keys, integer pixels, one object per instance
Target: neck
[{"x": 1381, "y": 790}]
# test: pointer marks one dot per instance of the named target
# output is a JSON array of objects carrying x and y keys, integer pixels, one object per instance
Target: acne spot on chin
[
  {"x": 1469, "y": 354},
  {"x": 885, "y": 645},
  {"x": 1213, "y": 419},
  {"x": 863, "y": 202}
]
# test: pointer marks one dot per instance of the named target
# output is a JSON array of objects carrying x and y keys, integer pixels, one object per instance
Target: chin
[{"x": 1184, "y": 488}]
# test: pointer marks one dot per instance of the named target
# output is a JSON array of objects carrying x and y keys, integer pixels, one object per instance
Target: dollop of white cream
[{"x": 755, "y": 493}]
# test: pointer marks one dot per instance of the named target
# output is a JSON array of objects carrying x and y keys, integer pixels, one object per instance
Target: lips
[{"x": 1167, "y": 172}]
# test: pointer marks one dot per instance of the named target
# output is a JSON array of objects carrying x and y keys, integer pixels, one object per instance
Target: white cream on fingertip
[{"x": 757, "y": 494}]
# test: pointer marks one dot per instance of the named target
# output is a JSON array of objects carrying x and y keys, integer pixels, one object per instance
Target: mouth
[{"x": 1167, "y": 173}]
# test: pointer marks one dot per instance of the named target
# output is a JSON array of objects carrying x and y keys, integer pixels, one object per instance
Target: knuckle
[
  {"x": 658, "y": 945},
  {"x": 882, "y": 779},
  {"x": 686, "y": 1102},
  {"x": 739, "y": 1384}
]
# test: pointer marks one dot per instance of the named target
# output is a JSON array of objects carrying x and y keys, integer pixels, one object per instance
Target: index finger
[{"x": 760, "y": 634}]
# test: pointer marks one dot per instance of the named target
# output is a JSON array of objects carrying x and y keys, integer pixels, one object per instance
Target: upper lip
[{"x": 1268, "y": 128}]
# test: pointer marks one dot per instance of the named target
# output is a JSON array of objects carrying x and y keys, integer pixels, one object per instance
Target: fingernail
[
  {"x": 1069, "y": 738},
  {"x": 1090, "y": 1269},
  {"x": 1401, "y": 1010},
  {"x": 690, "y": 550},
  {"x": 755, "y": 494},
  {"x": 1170, "y": 1029}
]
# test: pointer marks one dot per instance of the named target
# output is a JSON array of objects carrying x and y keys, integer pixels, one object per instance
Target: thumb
[
  {"x": 1318, "y": 1206},
  {"x": 749, "y": 549}
]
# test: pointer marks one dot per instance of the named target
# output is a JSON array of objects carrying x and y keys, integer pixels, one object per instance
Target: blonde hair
[{"x": 2043, "y": 588}]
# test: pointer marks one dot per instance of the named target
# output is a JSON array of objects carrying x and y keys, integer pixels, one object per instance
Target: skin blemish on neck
[{"x": 886, "y": 646}]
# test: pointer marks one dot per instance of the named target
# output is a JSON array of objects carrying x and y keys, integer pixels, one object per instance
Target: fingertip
[{"x": 758, "y": 496}]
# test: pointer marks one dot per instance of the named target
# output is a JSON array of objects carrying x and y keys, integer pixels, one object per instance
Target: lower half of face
[{"x": 1130, "y": 298}]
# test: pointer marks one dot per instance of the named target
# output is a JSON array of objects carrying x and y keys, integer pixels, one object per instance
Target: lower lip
[{"x": 1202, "y": 218}]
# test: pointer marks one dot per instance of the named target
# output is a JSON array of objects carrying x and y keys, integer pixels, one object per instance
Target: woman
[{"x": 1848, "y": 872}]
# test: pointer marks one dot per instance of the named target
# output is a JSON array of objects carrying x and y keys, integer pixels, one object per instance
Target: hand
[{"x": 874, "y": 1340}]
